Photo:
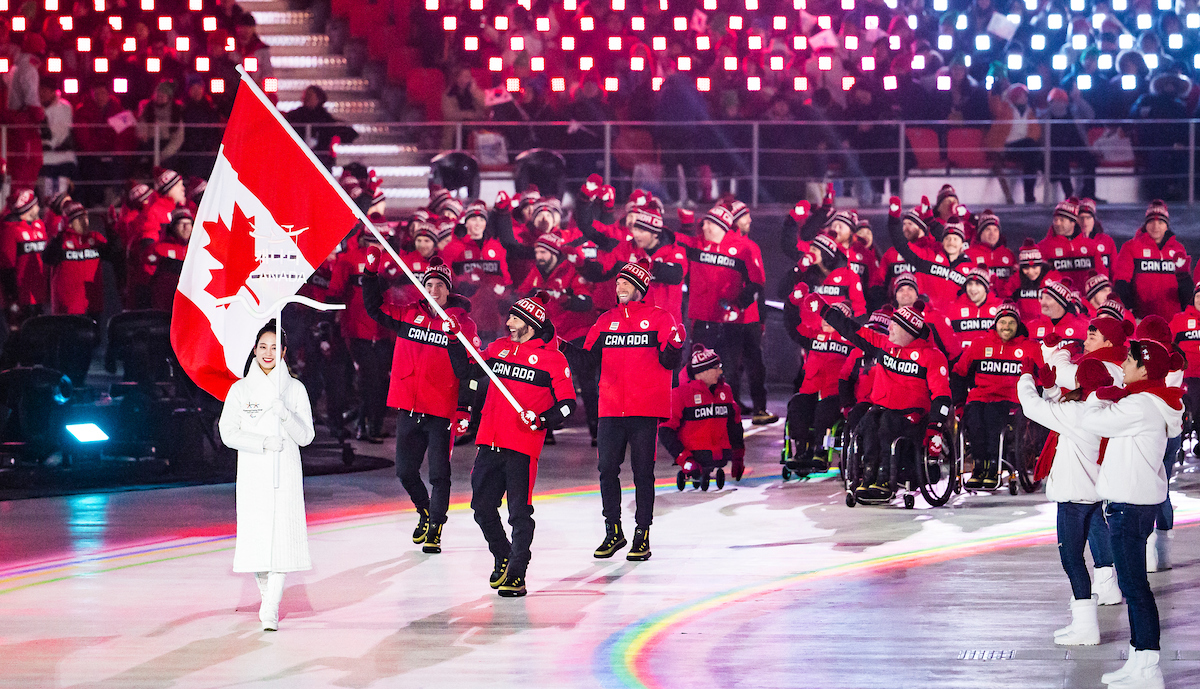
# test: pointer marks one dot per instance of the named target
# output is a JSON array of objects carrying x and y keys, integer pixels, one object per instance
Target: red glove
[
  {"x": 1029, "y": 367},
  {"x": 503, "y": 200},
  {"x": 1111, "y": 393},
  {"x": 451, "y": 326},
  {"x": 801, "y": 212},
  {"x": 462, "y": 420},
  {"x": 829, "y": 195},
  {"x": 1052, "y": 340},
  {"x": 925, "y": 210},
  {"x": 962, "y": 212},
  {"x": 813, "y": 303},
  {"x": 609, "y": 196},
  {"x": 531, "y": 420},
  {"x": 374, "y": 258},
  {"x": 933, "y": 440},
  {"x": 1045, "y": 376},
  {"x": 799, "y": 292},
  {"x": 686, "y": 217},
  {"x": 591, "y": 187},
  {"x": 894, "y": 206},
  {"x": 684, "y": 460},
  {"x": 913, "y": 418}
]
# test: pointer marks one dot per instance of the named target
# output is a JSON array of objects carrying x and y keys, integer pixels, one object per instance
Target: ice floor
[{"x": 762, "y": 584}]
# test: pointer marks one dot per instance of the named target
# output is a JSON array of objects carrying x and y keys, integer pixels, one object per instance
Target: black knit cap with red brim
[
  {"x": 702, "y": 359},
  {"x": 911, "y": 318},
  {"x": 438, "y": 270},
  {"x": 638, "y": 275},
  {"x": 532, "y": 310}
]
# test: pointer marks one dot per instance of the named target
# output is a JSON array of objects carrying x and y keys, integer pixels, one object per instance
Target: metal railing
[{"x": 763, "y": 161}]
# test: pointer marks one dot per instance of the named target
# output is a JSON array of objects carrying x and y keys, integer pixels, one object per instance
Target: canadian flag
[{"x": 270, "y": 215}]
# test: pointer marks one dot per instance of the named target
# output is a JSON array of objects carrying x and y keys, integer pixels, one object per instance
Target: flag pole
[
  {"x": 279, "y": 362},
  {"x": 362, "y": 217}
]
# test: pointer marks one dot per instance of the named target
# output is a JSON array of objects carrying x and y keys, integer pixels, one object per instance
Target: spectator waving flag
[{"x": 270, "y": 215}]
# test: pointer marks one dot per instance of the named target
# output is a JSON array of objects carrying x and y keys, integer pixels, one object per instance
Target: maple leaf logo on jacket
[{"x": 236, "y": 246}]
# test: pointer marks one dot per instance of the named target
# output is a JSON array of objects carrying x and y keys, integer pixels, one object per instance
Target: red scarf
[{"x": 1172, "y": 396}]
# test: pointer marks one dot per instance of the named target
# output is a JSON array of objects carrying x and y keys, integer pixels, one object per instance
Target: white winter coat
[
  {"x": 272, "y": 535},
  {"x": 1137, "y": 427},
  {"x": 1074, "y": 472}
]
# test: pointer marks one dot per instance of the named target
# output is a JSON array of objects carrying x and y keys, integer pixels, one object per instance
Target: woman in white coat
[{"x": 268, "y": 420}]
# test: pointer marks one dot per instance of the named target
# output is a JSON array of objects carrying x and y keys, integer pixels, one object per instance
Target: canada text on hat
[
  {"x": 638, "y": 275},
  {"x": 165, "y": 180},
  {"x": 720, "y": 216},
  {"x": 1060, "y": 292},
  {"x": 1112, "y": 309},
  {"x": 438, "y": 270},
  {"x": 550, "y": 242},
  {"x": 1030, "y": 254},
  {"x": 702, "y": 359},
  {"x": 532, "y": 310},
  {"x": 828, "y": 248},
  {"x": 880, "y": 318},
  {"x": 905, "y": 280},
  {"x": 1068, "y": 208},
  {"x": 911, "y": 318},
  {"x": 22, "y": 201},
  {"x": 647, "y": 219},
  {"x": 1094, "y": 284}
]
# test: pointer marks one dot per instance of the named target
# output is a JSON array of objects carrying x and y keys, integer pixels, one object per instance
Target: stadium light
[
  {"x": 753, "y": 83},
  {"x": 450, "y": 23},
  {"x": 637, "y": 23},
  {"x": 1058, "y": 62},
  {"x": 703, "y": 84},
  {"x": 100, "y": 66},
  {"x": 731, "y": 63},
  {"x": 983, "y": 43},
  {"x": 164, "y": 23},
  {"x": 890, "y": 83},
  {"x": 568, "y": 43},
  {"x": 501, "y": 23},
  {"x": 801, "y": 42},
  {"x": 702, "y": 43},
  {"x": 54, "y": 64},
  {"x": 659, "y": 43},
  {"x": 512, "y": 84},
  {"x": 1084, "y": 82},
  {"x": 202, "y": 64},
  {"x": 120, "y": 85},
  {"x": 685, "y": 63},
  {"x": 851, "y": 43},
  {"x": 1143, "y": 22},
  {"x": 779, "y": 23},
  {"x": 943, "y": 82},
  {"x": 918, "y": 63},
  {"x": 83, "y": 44},
  {"x": 824, "y": 63},
  {"x": 1037, "y": 42},
  {"x": 1034, "y": 82},
  {"x": 87, "y": 432},
  {"x": 1054, "y": 22},
  {"x": 614, "y": 43},
  {"x": 470, "y": 43},
  {"x": 558, "y": 84},
  {"x": 153, "y": 65},
  {"x": 516, "y": 43},
  {"x": 868, "y": 63},
  {"x": 1125, "y": 41},
  {"x": 735, "y": 23},
  {"x": 637, "y": 64},
  {"x": 587, "y": 24},
  {"x": 586, "y": 63},
  {"x": 945, "y": 42},
  {"x": 1175, "y": 41},
  {"x": 1014, "y": 61},
  {"x": 70, "y": 85},
  {"x": 776, "y": 63},
  {"x": 680, "y": 23},
  {"x": 1105, "y": 62},
  {"x": 183, "y": 44},
  {"x": 1128, "y": 82},
  {"x": 537, "y": 64},
  {"x": 1151, "y": 61},
  {"x": 754, "y": 43},
  {"x": 847, "y": 83},
  {"x": 800, "y": 83},
  {"x": 495, "y": 64},
  {"x": 871, "y": 23},
  {"x": 1079, "y": 41}
]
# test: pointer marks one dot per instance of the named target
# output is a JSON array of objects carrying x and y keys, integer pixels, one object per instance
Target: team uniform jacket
[
  {"x": 718, "y": 274},
  {"x": 827, "y": 355},
  {"x": 317, "y": 287},
  {"x": 402, "y": 290},
  {"x": 856, "y": 254},
  {"x": 537, "y": 375},
  {"x": 22, "y": 273},
  {"x": 481, "y": 274},
  {"x": 946, "y": 277},
  {"x": 1152, "y": 275},
  {"x": 703, "y": 418},
  {"x": 1069, "y": 328},
  {"x": 1001, "y": 263},
  {"x": 562, "y": 284},
  {"x": 1072, "y": 256},
  {"x": 1106, "y": 248},
  {"x": 1027, "y": 297},
  {"x": 969, "y": 320},
  {"x": 894, "y": 264},
  {"x": 992, "y": 366},
  {"x": 74, "y": 260},
  {"x": 629, "y": 340},
  {"x": 146, "y": 231},
  {"x": 1185, "y": 329},
  {"x": 346, "y": 287}
]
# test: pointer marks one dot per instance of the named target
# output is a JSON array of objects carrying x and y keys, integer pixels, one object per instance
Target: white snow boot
[
  {"x": 260, "y": 578},
  {"x": 1152, "y": 552},
  {"x": 1104, "y": 586},
  {"x": 1162, "y": 549},
  {"x": 1084, "y": 629},
  {"x": 1123, "y": 672},
  {"x": 268, "y": 614},
  {"x": 1144, "y": 673}
]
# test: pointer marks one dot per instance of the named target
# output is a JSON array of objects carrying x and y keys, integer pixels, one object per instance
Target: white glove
[
  {"x": 273, "y": 443},
  {"x": 531, "y": 420},
  {"x": 280, "y": 410}
]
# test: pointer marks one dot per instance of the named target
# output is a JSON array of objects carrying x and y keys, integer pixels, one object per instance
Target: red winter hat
[
  {"x": 980, "y": 275},
  {"x": 911, "y": 318},
  {"x": 1112, "y": 309},
  {"x": 476, "y": 209},
  {"x": 880, "y": 319},
  {"x": 720, "y": 216},
  {"x": 638, "y": 274},
  {"x": 1158, "y": 209},
  {"x": 1007, "y": 309},
  {"x": 738, "y": 209},
  {"x": 532, "y": 310},
  {"x": 1087, "y": 206},
  {"x": 438, "y": 269},
  {"x": 844, "y": 307},
  {"x": 1060, "y": 291},
  {"x": 1030, "y": 254},
  {"x": 1158, "y": 360},
  {"x": 22, "y": 200},
  {"x": 648, "y": 219},
  {"x": 986, "y": 220},
  {"x": 944, "y": 192},
  {"x": 915, "y": 218},
  {"x": 1094, "y": 284},
  {"x": 828, "y": 248},
  {"x": 550, "y": 242},
  {"x": 1154, "y": 327},
  {"x": 954, "y": 226},
  {"x": 424, "y": 228},
  {"x": 165, "y": 180},
  {"x": 1116, "y": 332},
  {"x": 1092, "y": 375},
  {"x": 905, "y": 279},
  {"x": 850, "y": 218},
  {"x": 1068, "y": 208},
  {"x": 702, "y": 359},
  {"x": 72, "y": 210},
  {"x": 182, "y": 213}
]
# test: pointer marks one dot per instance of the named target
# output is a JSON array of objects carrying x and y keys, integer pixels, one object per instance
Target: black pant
[
  {"x": 639, "y": 434},
  {"x": 808, "y": 418},
  {"x": 1026, "y": 153},
  {"x": 585, "y": 375},
  {"x": 416, "y": 433},
  {"x": 736, "y": 343},
  {"x": 985, "y": 423},
  {"x": 879, "y": 428},
  {"x": 374, "y": 360},
  {"x": 1129, "y": 526},
  {"x": 1060, "y": 171},
  {"x": 327, "y": 365},
  {"x": 497, "y": 473}
]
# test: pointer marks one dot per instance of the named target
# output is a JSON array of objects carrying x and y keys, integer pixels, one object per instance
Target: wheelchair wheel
[
  {"x": 850, "y": 501},
  {"x": 696, "y": 483},
  {"x": 849, "y": 461},
  {"x": 1012, "y": 487},
  {"x": 937, "y": 475},
  {"x": 909, "y": 501},
  {"x": 787, "y": 473},
  {"x": 720, "y": 479},
  {"x": 704, "y": 482},
  {"x": 680, "y": 480},
  {"x": 1023, "y": 460}
]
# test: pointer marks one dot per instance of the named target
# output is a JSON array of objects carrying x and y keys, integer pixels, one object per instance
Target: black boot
[
  {"x": 991, "y": 475},
  {"x": 513, "y": 585},
  {"x": 977, "y": 474},
  {"x": 433, "y": 539},
  {"x": 640, "y": 550},
  {"x": 614, "y": 540},
  {"x": 422, "y": 529},
  {"x": 498, "y": 572}
]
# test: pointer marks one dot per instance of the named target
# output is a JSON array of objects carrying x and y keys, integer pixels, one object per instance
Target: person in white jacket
[
  {"x": 1133, "y": 481},
  {"x": 1072, "y": 484},
  {"x": 267, "y": 420}
]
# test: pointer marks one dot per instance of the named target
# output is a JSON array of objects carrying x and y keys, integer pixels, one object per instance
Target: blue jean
[
  {"x": 1079, "y": 523},
  {"x": 1166, "y": 513},
  {"x": 1129, "y": 526}
]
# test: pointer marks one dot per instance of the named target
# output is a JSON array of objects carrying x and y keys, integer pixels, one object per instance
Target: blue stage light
[{"x": 87, "y": 432}]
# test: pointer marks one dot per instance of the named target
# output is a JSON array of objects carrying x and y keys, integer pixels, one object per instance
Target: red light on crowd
[
  {"x": 568, "y": 43},
  {"x": 153, "y": 65},
  {"x": 51, "y": 6},
  {"x": 751, "y": 5},
  {"x": 847, "y": 5},
  {"x": 147, "y": 5},
  {"x": 471, "y": 43},
  {"x": 271, "y": 85},
  {"x": 558, "y": 84},
  {"x": 755, "y": 43},
  {"x": 512, "y": 84},
  {"x": 731, "y": 63},
  {"x": 537, "y": 64},
  {"x": 656, "y": 83},
  {"x": 825, "y": 22},
  {"x": 495, "y": 64},
  {"x": 586, "y": 63},
  {"x": 702, "y": 43},
  {"x": 703, "y": 84},
  {"x": 501, "y": 23},
  {"x": 710, "y": 5},
  {"x": 587, "y": 24},
  {"x": 195, "y": 5},
  {"x": 164, "y": 23},
  {"x": 868, "y": 63},
  {"x": 216, "y": 85},
  {"x": 662, "y": 5},
  {"x": 516, "y": 43},
  {"x": 610, "y": 83},
  {"x": 476, "y": 5},
  {"x": 18, "y": 23},
  {"x": 824, "y": 63},
  {"x": 681, "y": 23},
  {"x": 449, "y": 23},
  {"x": 889, "y": 83},
  {"x": 637, "y": 64},
  {"x": 543, "y": 24},
  {"x": 83, "y": 44},
  {"x": 799, "y": 4},
  {"x": 251, "y": 64},
  {"x": 753, "y": 83},
  {"x": 202, "y": 64},
  {"x": 776, "y": 63},
  {"x": 800, "y": 83},
  {"x": 779, "y": 23},
  {"x": 638, "y": 23},
  {"x": 618, "y": 5},
  {"x": 614, "y": 42},
  {"x": 871, "y": 23},
  {"x": 67, "y": 23},
  {"x": 685, "y": 63},
  {"x": 70, "y": 86},
  {"x": 735, "y": 23},
  {"x": 100, "y": 66},
  {"x": 847, "y": 83},
  {"x": 115, "y": 22},
  {"x": 658, "y": 43},
  {"x": 129, "y": 45},
  {"x": 210, "y": 23},
  {"x": 570, "y": 5},
  {"x": 54, "y": 64},
  {"x": 120, "y": 85},
  {"x": 98, "y": 5},
  {"x": 431, "y": 5},
  {"x": 183, "y": 44}
]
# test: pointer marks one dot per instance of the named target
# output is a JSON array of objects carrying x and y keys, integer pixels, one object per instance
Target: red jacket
[
  {"x": 992, "y": 367},
  {"x": 76, "y": 284},
  {"x": 827, "y": 354},
  {"x": 21, "y": 247},
  {"x": 894, "y": 264},
  {"x": 536, "y": 374},
  {"x": 481, "y": 273},
  {"x": 1106, "y": 248},
  {"x": 563, "y": 285},
  {"x": 1074, "y": 256},
  {"x": 841, "y": 284},
  {"x": 1027, "y": 297},
  {"x": 705, "y": 418},
  {"x": 1000, "y": 261},
  {"x": 908, "y": 377},
  {"x": 629, "y": 340},
  {"x": 346, "y": 287},
  {"x": 968, "y": 320},
  {"x": 718, "y": 273},
  {"x": 1185, "y": 329},
  {"x": 1069, "y": 327},
  {"x": 1153, "y": 274}
]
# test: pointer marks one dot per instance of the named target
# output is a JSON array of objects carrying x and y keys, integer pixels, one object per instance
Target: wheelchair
[
  {"x": 795, "y": 458},
  {"x": 710, "y": 471},
  {"x": 1020, "y": 443},
  {"x": 911, "y": 469}
]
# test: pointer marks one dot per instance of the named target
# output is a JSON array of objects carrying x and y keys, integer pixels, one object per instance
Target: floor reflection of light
[{"x": 87, "y": 522}]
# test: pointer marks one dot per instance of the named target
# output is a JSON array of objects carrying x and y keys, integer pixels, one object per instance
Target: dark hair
[
  {"x": 1136, "y": 353},
  {"x": 268, "y": 328}
]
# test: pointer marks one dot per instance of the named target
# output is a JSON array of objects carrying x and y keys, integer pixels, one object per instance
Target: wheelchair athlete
[
  {"x": 816, "y": 407},
  {"x": 911, "y": 389},
  {"x": 705, "y": 428},
  {"x": 991, "y": 367}
]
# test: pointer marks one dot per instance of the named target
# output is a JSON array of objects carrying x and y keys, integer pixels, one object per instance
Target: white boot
[
  {"x": 260, "y": 578},
  {"x": 1143, "y": 674},
  {"x": 1084, "y": 629},
  {"x": 1162, "y": 546},
  {"x": 1118, "y": 675},
  {"x": 268, "y": 614},
  {"x": 1152, "y": 552},
  {"x": 1104, "y": 586}
]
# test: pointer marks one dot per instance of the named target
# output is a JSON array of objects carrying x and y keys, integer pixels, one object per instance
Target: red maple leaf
[{"x": 234, "y": 248}]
